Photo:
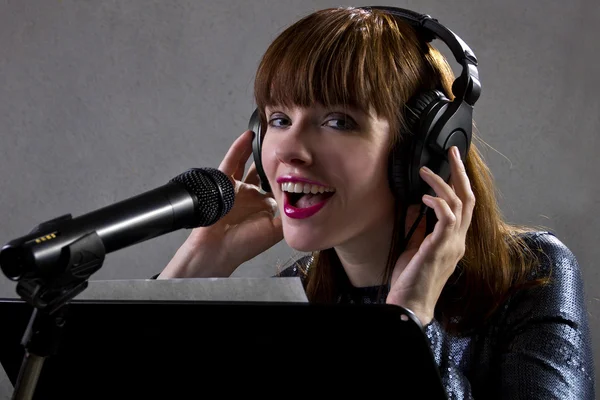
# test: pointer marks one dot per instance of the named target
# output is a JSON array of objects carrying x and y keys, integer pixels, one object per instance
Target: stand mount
[{"x": 49, "y": 292}]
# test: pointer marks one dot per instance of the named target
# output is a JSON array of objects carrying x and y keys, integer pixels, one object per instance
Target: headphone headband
[
  {"x": 436, "y": 122},
  {"x": 467, "y": 86}
]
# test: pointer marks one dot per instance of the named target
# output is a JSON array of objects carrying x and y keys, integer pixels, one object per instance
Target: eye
[
  {"x": 341, "y": 122},
  {"x": 279, "y": 121}
]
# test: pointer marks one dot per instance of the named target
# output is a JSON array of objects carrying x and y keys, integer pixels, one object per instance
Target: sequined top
[{"x": 537, "y": 346}]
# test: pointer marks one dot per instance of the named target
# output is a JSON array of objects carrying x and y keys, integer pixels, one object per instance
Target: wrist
[
  {"x": 196, "y": 261},
  {"x": 423, "y": 313}
]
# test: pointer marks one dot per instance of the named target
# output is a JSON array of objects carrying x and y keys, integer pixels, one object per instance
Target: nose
[{"x": 293, "y": 148}]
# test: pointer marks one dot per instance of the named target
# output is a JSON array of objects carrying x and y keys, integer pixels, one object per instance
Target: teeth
[{"x": 304, "y": 188}]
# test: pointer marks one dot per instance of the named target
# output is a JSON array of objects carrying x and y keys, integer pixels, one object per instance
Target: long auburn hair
[{"x": 368, "y": 59}]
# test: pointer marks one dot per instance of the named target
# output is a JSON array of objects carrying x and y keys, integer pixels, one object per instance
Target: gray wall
[{"x": 103, "y": 100}]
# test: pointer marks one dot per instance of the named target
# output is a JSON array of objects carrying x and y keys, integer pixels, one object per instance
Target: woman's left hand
[{"x": 424, "y": 267}]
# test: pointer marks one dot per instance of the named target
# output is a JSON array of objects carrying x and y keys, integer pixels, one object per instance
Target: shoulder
[
  {"x": 547, "y": 325},
  {"x": 562, "y": 294},
  {"x": 555, "y": 260}
]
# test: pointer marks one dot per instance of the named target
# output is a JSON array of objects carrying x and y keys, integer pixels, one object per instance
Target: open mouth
[
  {"x": 303, "y": 200},
  {"x": 306, "y": 200}
]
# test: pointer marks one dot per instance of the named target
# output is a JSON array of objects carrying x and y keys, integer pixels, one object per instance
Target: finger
[
  {"x": 265, "y": 226},
  {"x": 257, "y": 234},
  {"x": 446, "y": 219},
  {"x": 239, "y": 172},
  {"x": 249, "y": 200},
  {"x": 444, "y": 191},
  {"x": 234, "y": 162},
  {"x": 462, "y": 186},
  {"x": 252, "y": 177}
]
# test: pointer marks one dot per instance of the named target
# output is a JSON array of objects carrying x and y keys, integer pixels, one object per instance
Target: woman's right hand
[{"x": 249, "y": 228}]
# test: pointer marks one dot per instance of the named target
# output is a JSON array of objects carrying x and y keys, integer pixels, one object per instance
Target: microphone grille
[{"x": 214, "y": 192}]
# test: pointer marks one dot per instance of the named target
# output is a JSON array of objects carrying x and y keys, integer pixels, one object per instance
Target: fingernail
[
  {"x": 456, "y": 152},
  {"x": 426, "y": 170},
  {"x": 427, "y": 199}
]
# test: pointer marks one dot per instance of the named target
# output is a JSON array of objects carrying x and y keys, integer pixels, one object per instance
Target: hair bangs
[{"x": 328, "y": 59}]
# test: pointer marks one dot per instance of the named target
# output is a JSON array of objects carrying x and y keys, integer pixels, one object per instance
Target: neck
[{"x": 364, "y": 258}]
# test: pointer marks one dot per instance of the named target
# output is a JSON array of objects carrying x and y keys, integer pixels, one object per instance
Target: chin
[
  {"x": 305, "y": 242},
  {"x": 302, "y": 245}
]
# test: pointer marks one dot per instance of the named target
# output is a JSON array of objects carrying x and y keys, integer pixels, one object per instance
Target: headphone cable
[{"x": 422, "y": 213}]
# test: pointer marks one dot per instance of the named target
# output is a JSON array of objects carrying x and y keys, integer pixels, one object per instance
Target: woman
[{"x": 502, "y": 305}]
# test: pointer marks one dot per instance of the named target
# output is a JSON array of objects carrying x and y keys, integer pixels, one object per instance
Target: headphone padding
[
  {"x": 412, "y": 142},
  {"x": 255, "y": 126}
]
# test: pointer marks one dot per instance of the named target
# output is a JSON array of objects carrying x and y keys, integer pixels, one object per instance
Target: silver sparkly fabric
[{"x": 538, "y": 346}]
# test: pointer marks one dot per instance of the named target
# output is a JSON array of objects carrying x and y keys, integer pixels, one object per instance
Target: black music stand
[{"x": 192, "y": 349}]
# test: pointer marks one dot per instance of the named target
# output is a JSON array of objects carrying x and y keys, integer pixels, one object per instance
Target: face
[{"x": 335, "y": 160}]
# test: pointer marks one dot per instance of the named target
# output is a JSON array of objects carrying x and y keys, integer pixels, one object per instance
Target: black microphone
[{"x": 197, "y": 197}]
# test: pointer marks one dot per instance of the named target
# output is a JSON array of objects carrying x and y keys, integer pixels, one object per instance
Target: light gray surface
[
  {"x": 103, "y": 100},
  {"x": 6, "y": 388},
  {"x": 200, "y": 289}
]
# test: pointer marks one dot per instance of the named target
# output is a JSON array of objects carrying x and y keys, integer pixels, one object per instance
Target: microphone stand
[{"x": 49, "y": 292}]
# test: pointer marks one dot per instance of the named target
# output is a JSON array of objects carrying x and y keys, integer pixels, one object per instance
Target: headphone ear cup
[
  {"x": 408, "y": 154},
  {"x": 255, "y": 126},
  {"x": 399, "y": 173}
]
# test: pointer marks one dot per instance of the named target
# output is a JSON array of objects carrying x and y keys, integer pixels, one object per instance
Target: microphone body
[{"x": 198, "y": 197}]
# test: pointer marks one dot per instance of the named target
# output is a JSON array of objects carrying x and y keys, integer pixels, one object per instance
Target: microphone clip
[{"x": 49, "y": 291}]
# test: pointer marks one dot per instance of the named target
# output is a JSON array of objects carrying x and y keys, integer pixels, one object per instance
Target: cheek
[
  {"x": 269, "y": 159},
  {"x": 369, "y": 167}
]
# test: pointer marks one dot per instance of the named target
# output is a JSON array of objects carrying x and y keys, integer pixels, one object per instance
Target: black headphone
[{"x": 436, "y": 122}]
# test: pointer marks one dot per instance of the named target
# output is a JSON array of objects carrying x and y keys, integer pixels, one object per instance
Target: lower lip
[{"x": 302, "y": 213}]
